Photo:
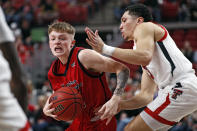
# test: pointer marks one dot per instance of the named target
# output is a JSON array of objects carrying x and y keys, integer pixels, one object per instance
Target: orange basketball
[{"x": 67, "y": 102}]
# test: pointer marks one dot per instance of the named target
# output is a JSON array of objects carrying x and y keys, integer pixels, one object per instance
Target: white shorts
[
  {"x": 12, "y": 117},
  {"x": 172, "y": 104}
]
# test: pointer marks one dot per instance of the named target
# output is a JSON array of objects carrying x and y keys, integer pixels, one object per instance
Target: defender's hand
[{"x": 94, "y": 40}]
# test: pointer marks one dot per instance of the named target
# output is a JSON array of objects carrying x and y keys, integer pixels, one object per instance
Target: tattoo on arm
[{"x": 122, "y": 78}]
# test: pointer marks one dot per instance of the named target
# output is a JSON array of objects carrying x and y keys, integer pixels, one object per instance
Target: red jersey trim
[
  {"x": 155, "y": 114},
  {"x": 165, "y": 35},
  {"x": 26, "y": 127},
  {"x": 163, "y": 106}
]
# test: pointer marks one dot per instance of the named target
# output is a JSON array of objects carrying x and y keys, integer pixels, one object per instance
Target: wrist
[
  {"x": 116, "y": 97},
  {"x": 108, "y": 50}
]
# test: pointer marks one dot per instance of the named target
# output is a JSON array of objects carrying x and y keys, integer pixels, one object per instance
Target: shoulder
[
  {"x": 87, "y": 55},
  {"x": 145, "y": 27}
]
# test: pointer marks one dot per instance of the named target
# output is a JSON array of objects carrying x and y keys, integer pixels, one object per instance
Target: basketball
[{"x": 67, "y": 102}]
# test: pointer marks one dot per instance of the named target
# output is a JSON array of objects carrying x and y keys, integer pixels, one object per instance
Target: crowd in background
[{"x": 28, "y": 20}]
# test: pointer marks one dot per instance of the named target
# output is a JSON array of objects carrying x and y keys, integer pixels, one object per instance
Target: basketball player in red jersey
[
  {"x": 83, "y": 69},
  {"x": 164, "y": 66}
]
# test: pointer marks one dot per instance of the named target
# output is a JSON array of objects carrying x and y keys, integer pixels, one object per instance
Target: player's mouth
[
  {"x": 122, "y": 34},
  {"x": 58, "y": 49}
]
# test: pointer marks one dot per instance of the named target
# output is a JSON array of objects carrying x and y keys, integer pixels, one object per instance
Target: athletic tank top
[
  {"x": 93, "y": 86},
  {"x": 168, "y": 64}
]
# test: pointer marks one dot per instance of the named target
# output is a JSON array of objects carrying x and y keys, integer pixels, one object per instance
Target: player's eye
[
  {"x": 123, "y": 20},
  {"x": 52, "y": 38},
  {"x": 62, "y": 38}
]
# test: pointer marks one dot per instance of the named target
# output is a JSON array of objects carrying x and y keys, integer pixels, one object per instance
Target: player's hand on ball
[{"x": 47, "y": 110}]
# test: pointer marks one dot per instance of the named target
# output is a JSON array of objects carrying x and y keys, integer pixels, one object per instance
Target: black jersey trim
[
  {"x": 166, "y": 54},
  {"x": 67, "y": 65},
  {"x": 51, "y": 85},
  {"x": 103, "y": 88},
  {"x": 85, "y": 70}
]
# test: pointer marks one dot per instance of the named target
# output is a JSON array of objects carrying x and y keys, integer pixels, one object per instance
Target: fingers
[
  {"x": 90, "y": 43},
  {"x": 95, "y": 118},
  {"x": 89, "y": 30},
  {"x": 97, "y": 109},
  {"x": 96, "y": 33},
  {"x": 104, "y": 113},
  {"x": 101, "y": 111},
  {"x": 108, "y": 120},
  {"x": 91, "y": 37}
]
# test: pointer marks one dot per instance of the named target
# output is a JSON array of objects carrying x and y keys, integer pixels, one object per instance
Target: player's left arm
[
  {"x": 18, "y": 83},
  {"x": 98, "y": 63}
]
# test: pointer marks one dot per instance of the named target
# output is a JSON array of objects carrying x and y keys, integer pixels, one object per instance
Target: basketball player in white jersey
[
  {"x": 164, "y": 66},
  {"x": 12, "y": 117}
]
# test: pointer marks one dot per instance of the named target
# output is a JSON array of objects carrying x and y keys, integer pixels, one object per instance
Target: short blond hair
[{"x": 61, "y": 27}]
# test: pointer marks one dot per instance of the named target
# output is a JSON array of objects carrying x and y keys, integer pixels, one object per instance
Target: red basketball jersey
[{"x": 93, "y": 87}]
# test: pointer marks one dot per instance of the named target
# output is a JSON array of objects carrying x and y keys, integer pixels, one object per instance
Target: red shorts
[{"x": 78, "y": 125}]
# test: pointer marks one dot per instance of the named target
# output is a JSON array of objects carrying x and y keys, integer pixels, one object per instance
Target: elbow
[
  {"x": 147, "y": 98},
  {"x": 146, "y": 59}
]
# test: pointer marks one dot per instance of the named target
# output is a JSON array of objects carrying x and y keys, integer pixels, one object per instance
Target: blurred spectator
[
  {"x": 48, "y": 12},
  {"x": 183, "y": 125},
  {"x": 112, "y": 83},
  {"x": 11, "y": 14},
  {"x": 118, "y": 11},
  {"x": 123, "y": 121},
  {"x": 27, "y": 12},
  {"x": 183, "y": 14},
  {"x": 16, "y": 30},
  {"x": 154, "y": 7},
  {"x": 25, "y": 29},
  {"x": 193, "y": 10},
  {"x": 195, "y": 57},
  {"x": 187, "y": 51}
]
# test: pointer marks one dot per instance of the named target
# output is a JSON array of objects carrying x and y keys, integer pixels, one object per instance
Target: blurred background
[{"x": 29, "y": 20}]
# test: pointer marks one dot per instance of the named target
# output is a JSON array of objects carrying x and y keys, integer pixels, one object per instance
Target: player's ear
[
  {"x": 73, "y": 43},
  {"x": 140, "y": 20}
]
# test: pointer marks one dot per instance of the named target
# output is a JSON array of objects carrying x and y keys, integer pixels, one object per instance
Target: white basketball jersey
[{"x": 168, "y": 64}]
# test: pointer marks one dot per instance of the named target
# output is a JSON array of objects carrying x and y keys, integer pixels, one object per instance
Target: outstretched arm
[
  {"x": 101, "y": 63},
  {"x": 145, "y": 96},
  {"x": 144, "y": 39}
]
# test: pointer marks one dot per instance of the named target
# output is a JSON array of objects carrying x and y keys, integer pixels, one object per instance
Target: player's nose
[{"x": 121, "y": 27}]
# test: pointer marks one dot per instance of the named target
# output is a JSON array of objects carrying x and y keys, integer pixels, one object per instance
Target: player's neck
[{"x": 63, "y": 59}]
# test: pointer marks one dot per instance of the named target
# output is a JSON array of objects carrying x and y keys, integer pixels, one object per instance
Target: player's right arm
[
  {"x": 145, "y": 96},
  {"x": 144, "y": 39}
]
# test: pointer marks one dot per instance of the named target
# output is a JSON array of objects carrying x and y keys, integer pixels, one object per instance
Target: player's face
[
  {"x": 60, "y": 43},
  {"x": 127, "y": 26}
]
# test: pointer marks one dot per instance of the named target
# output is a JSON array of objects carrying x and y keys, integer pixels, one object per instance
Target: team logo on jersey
[
  {"x": 177, "y": 92},
  {"x": 73, "y": 64},
  {"x": 73, "y": 83}
]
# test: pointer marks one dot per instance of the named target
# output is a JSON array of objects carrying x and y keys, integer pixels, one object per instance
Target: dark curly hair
[{"x": 140, "y": 10}]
